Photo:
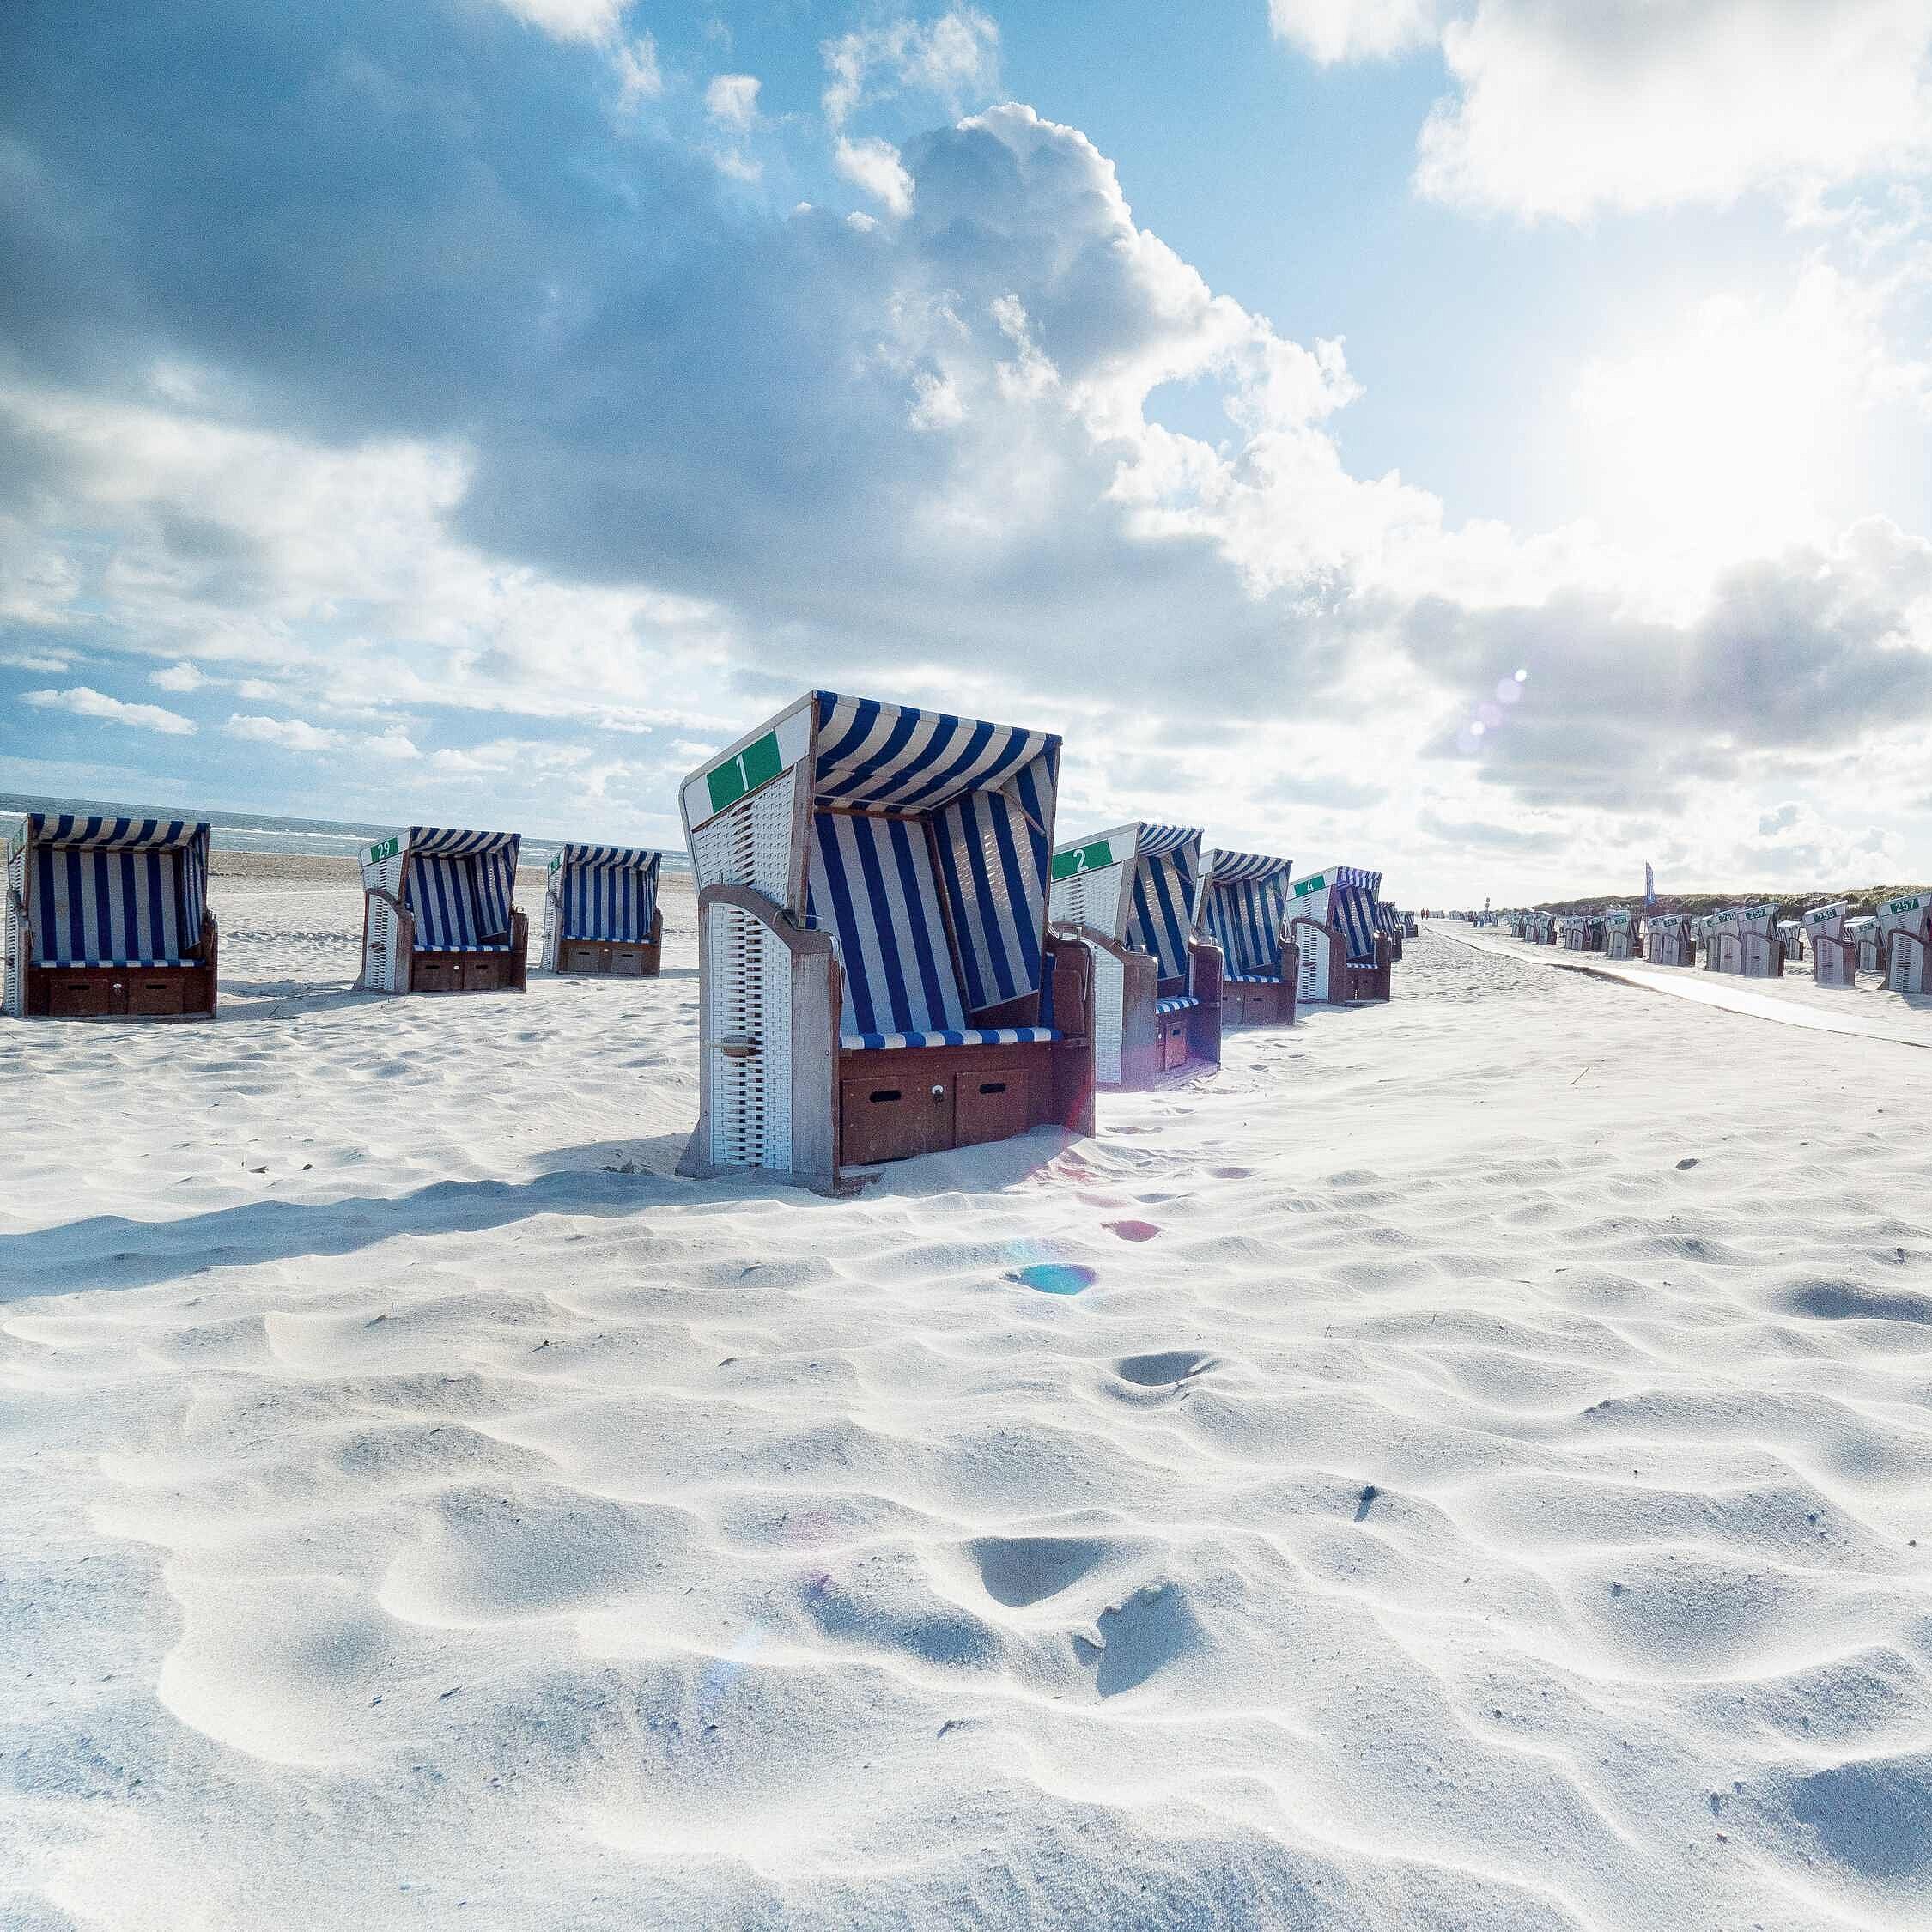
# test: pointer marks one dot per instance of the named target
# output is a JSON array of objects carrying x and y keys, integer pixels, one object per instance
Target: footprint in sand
[
  {"x": 1163, "y": 1370},
  {"x": 1231, "y": 1173},
  {"x": 1132, "y": 1230}
]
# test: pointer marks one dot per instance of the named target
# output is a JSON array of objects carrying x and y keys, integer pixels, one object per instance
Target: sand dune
[{"x": 1486, "y": 1481}]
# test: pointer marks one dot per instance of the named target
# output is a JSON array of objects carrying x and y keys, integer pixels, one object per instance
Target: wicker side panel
[
  {"x": 747, "y": 1004},
  {"x": 14, "y": 935}
]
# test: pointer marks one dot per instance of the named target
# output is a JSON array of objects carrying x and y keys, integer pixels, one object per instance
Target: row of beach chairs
[
  {"x": 894, "y": 956},
  {"x": 1894, "y": 944}
]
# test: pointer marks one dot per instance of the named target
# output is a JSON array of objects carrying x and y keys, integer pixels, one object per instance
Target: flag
[{"x": 1649, "y": 885}]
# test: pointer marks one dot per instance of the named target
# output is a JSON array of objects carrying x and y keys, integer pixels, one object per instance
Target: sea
[{"x": 258, "y": 831}]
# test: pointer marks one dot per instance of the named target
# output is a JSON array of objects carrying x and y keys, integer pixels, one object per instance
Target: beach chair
[
  {"x": 1745, "y": 941},
  {"x": 1410, "y": 928},
  {"x": 876, "y": 977},
  {"x": 1704, "y": 932},
  {"x": 1834, "y": 953},
  {"x": 601, "y": 918},
  {"x": 1863, "y": 932},
  {"x": 1129, "y": 893},
  {"x": 1622, "y": 937},
  {"x": 1241, "y": 902},
  {"x": 438, "y": 913},
  {"x": 1669, "y": 939},
  {"x": 1905, "y": 943},
  {"x": 1791, "y": 940},
  {"x": 1389, "y": 923},
  {"x": 108, "y": 918},
  {"x": 1332, "y": 919}
]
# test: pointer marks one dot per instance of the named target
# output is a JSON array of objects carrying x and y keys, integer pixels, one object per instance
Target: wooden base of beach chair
[
  {"x": 925, "y": 1100},
  {"x": 144, "y": 993},
  {"x": 600, "y": 959},
  {"x": 473, "y": 972}
]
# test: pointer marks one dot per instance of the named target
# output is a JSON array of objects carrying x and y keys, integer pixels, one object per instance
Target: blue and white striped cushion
[
  {"x": 953, "y": 1036},
  {"x": 994, "y": 855},
  {"x": 610, "y": 893},
  {"x": 100, "y": 906},
  {"x": 1244, "y": 916},
  {"x": 1177, "y": 1003},
  {"x": 461, "y": 902},
  {"x": 871, "y": 888},
  {"x": 1164, "y": 892}
]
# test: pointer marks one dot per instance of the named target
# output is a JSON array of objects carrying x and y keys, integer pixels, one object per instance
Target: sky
[{"x": 1489, "y": 440}]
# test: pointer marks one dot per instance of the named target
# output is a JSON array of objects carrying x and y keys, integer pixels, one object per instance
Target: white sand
[{"x": 409, "y": 1521}]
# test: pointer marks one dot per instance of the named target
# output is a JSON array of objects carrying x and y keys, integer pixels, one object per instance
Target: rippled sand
[{"x": 1486, "y": 1482}]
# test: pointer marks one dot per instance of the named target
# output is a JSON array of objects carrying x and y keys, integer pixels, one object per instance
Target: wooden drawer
[
  {"x": 580, "y": 958},
  {"x": 627, "y": 963},
  {"x": 887, "y": 1112},
  {"x": 156, "y": 997},
  {"x": 1174, "y": 1039},
  {"x": 435, "y": 974},
  {"x": 92, "y": 997},
  {"x": 998, "y": 1098},
  {"x": 480, "y": 973}
]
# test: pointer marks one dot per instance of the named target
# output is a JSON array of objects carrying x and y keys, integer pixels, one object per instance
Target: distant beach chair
[
  {"x": 1622, "y": 937},
  {"x": 1332, "y": 919},
  {"x": 601, "y": 917},
  {"x": 1791, "y": 938},
  {"x": 1904, "y": 938},
  {"x": 1411, "y": 927},
  {"x": 1582, "y": 932},
  {"x": 1745, "y": 941},
  {"x": 1863, "y": 932},
  {"x": 438, "y": 913},
  {"x": 1242, "y": 904},
  {"x": 108, "y": 918},
  {"x": 1129, "y": 893},
  {"x": 1670, "y": 940},
  {"x": 875, "y": 976},
  {"x": 1834, "y": 952},
  {"x": 1389, "y": 923},
  {"x": 1703, "y": 932}
]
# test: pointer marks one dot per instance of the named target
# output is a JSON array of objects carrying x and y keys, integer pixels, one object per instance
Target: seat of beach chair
[{"x": 1177, "y": 1003}]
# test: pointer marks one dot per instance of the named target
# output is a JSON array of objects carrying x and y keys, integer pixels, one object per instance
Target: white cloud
[
  {"x": 178, "y": 677},
  {"x": 394, "y": 744},
  {"x": 639, "y": 75},
  {"x": 1566, "y": 106},
  {"x": 290, "y": 734},
  {"x": 874, "y": 165},
  {"x": 42, "y": 661},
  {"x": 732, "y": 100},
  {"x": 594, "y": 20},
  {"x": 84, "y": 701},
  {"x": 1332, "y": 30},
  {"x": 956, "y": 58}
]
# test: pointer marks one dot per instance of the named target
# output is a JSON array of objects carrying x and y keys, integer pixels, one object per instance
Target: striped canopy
[
  {"x": 930, "y": 849},
  {"x": 459, "y": 885},
  {"x": 1353, "y": 896},
  {"x": 609, "y": 893},
  {"x": 1243, "y": 901},
  {"x": 888, "y": 757},
  {"x": 115, "y": 891}
]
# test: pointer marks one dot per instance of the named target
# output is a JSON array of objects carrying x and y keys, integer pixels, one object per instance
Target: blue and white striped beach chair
[
  {"x": 1242, "y": 904},
  {"x": 439, "y": 913},
  {"x": 1130, "y": 895},
  {"x": 1623, "y": 937},
  {"x": 108, "y": 918},
  {"x": 1345, "y": 956},
  {"x": 1389, "y": 923},
  {"x": 876, "y": 975},
  {"x": 601, "y": 916}
]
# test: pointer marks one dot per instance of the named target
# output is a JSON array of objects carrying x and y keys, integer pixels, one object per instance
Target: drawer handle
[{"x": 887, "y": 1093}]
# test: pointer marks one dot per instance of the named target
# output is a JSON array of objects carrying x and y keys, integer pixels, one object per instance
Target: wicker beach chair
[
  {"x": 1904, "y": 942},
  {"x": 1791, "y": 941},
  {"x": 1834, "y": 952},
  {"x": 108, "y": 918},
  {"x": 1623, "y": 937},
  {"x": 1241, "y": 902},
  {"x": 438, "y": 913},
  {"x": 1669, "y": 939},
  {"x": 1745, "y": 940},
  {"x": 601, "y": 917},
  {"x": 1863, "y": 932},
  {"x": 876, "y": 975},
  {"x": 1129, "y": 893},
  {"x": 1332, "y": 919}
]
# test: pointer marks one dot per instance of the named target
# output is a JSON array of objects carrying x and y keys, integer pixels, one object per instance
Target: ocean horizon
[{"x": 260, "y": 831}]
